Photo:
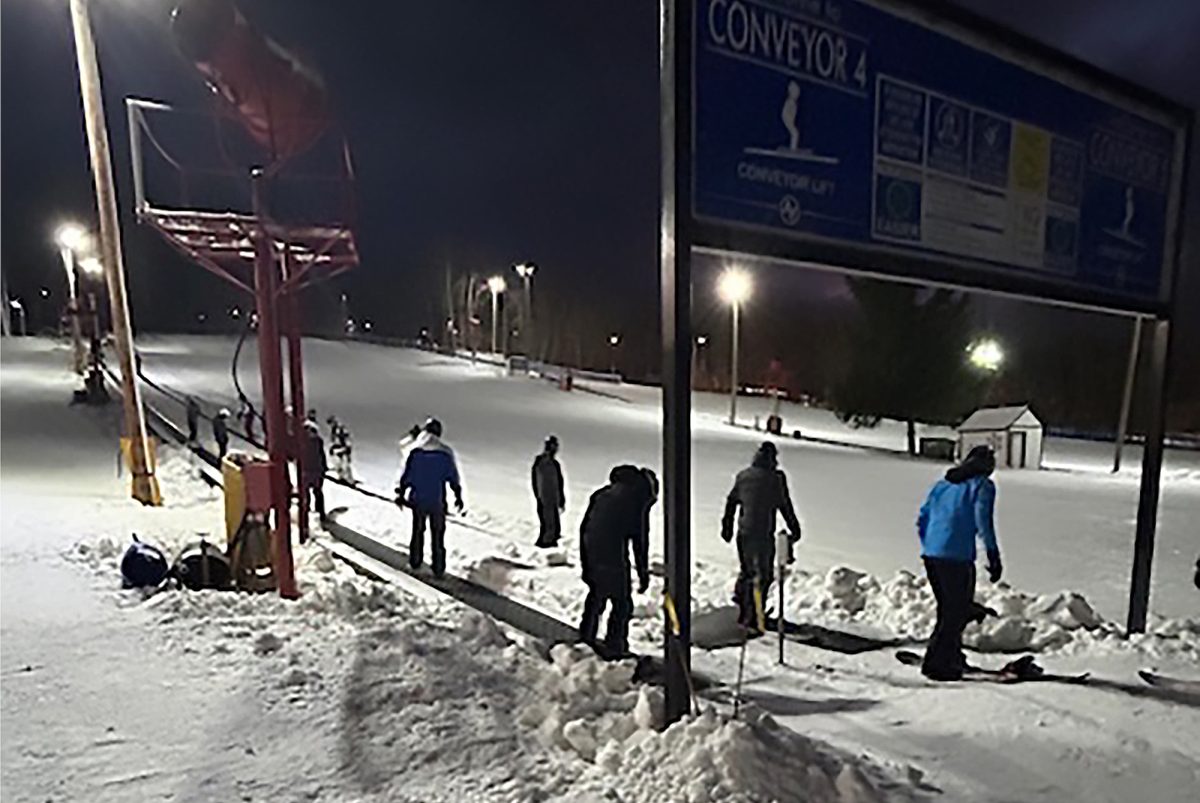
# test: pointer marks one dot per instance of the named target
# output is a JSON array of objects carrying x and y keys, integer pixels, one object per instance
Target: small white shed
[{"x": 1014, "y": 433}]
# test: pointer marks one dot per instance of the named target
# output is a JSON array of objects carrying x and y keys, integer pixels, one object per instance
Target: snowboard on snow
[
  {"x": 1178, "y": 685},
  {"x": 1022, "y": 670}
]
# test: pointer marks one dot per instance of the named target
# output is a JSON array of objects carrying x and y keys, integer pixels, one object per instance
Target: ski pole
[
  {"x": 782, "y": 546},
  {"x": 737, "y": 689}
]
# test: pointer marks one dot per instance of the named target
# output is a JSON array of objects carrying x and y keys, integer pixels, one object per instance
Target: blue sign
[{"x": 842, "y": 121}]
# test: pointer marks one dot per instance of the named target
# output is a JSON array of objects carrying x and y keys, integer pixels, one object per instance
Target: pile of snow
[
  {"x": 179, "y": 478},
  {"x": 903, "y": 607},
  {"x": 591, "y": 709},
  {"x": 437, "y": 703}
]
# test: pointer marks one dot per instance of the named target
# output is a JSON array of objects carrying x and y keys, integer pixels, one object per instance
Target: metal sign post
[
  {"x": 675, "y": 255},
  {"x": 1186, "y": 252}
]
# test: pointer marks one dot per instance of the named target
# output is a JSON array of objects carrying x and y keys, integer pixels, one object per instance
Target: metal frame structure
[
  {"x": 274, "y": 261},
  {"x": 683, "y": 233}
]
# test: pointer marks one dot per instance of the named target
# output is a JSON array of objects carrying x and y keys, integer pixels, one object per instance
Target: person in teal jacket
[{"x": 958, "y": 510}]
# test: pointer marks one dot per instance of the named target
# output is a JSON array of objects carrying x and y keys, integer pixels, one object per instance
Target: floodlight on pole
[
  {"x": 614, "y": 340},
  {"x": 526, "y": 270},
  {"x": 986, "y": 355},
  {"x": 71, "y": 238},
  {"x": 496, "y": 285},
  {"x": 734, "y": 286}
]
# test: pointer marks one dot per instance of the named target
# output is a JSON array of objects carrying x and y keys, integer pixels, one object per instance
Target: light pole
[
  {"x": 70, "y": 238},
  {"x": 734, "y": 287},
  {"x": 16, "y": 306},
  {"x": 525, "y": 271},
  {"x": 698, "y": 359},
  {"x": 496, "y": 285},
  {"x": 614, "y": 340},
  {"x": 1127, "y": 396},
  {"x": 93, "y": 270},
  {"x": 145, "y": 485}
]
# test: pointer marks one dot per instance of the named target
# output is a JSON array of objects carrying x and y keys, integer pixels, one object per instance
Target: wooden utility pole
[{"x": 145, "y": 485}]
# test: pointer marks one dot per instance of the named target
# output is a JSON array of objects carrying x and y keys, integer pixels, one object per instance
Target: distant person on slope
[
  {"x": 958, "y": 508},
  {"x": 429, "y": 467},
  {"x": 617, "y": 516},
  {"x": 340, "y": 449},
  {"x": 549, "y": 493},
  {"x": 759, "y": 493},
  {"x": 220, "y": 428},
  {"x": 193, "y": 419},
  {"x": 246, "y": 414},
  {"x": 314, "y": 465}
]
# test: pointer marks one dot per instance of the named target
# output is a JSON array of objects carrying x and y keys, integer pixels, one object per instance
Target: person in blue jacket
[
  {"x": 958, "y": 509},
  {"x": 428, "y": 469}
]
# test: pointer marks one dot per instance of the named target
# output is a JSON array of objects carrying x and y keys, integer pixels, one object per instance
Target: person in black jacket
[
  {"x": 193, "y": 419},
  {"x": 314, "y": 467},
  {"x": 549, "y": 493},
  {"x": 617, "y": 515},
  {"x": 220, "y": 428},
  {"x": 759, "y": 493}
]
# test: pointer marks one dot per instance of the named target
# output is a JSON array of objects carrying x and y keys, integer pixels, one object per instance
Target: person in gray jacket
[{"x": 759, "y": 493}]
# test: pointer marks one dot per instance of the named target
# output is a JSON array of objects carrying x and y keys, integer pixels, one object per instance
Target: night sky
[{"x": 485, "y": 133}]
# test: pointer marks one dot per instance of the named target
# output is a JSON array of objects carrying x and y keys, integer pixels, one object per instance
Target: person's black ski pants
[
  {"x": 756, "y": 559},
  {"x": 953, "y": 584},
  {"x": 608, "y": 585},
  {"x": 316, "y": 489},
  {"x": 549, "y": 525},
  {"x": 436, "y": 520}
]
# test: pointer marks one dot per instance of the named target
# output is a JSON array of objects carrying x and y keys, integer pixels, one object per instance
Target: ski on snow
[
  {"x": 1022, "y": 670},
  {"x": 1179, "y": 685}
]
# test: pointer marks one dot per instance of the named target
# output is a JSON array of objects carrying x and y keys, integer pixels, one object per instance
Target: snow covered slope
[
  {"x": 1058, "y": 529},
  {"x": 356, "y": 692}
]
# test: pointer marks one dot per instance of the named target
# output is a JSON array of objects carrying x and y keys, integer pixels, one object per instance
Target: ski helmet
[
  {"x": 433, "y": 426},
  {"x": 143, "y": 565}
]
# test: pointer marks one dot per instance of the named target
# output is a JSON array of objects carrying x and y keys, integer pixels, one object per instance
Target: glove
[
  {"x": 726, "y": 533},
  {"x": 643, "y": 583},
  {"x": 399, "y": 497},
  {"x": 791, "y": 556},
  {"x": 458, "y": 505},
  {"x": 995, "y": 567}
]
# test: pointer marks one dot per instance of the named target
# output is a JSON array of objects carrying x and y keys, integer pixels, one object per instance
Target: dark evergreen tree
[{"x": 907, "y": 358}]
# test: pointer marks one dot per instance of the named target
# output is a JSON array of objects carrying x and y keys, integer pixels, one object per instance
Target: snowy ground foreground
[
  {"x": 356, "y": 692},
  {"x": 1059, "y": 529}
]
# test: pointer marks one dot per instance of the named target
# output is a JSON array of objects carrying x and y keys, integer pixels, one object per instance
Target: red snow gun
[{"x": 280, "y": 102}]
